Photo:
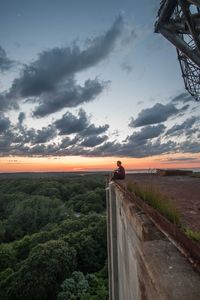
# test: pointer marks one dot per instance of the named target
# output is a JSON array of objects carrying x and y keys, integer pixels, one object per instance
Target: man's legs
[{"x": 117, "y": 176}]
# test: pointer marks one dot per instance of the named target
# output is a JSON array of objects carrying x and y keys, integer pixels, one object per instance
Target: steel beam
[
  {"x": 176, "y": 40},
  {"x": 179, "y": 22},
  {"x": 195, "y": 2}
]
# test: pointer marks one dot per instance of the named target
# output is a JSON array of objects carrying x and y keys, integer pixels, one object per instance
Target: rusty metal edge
[{"x": 185, "y": 245}]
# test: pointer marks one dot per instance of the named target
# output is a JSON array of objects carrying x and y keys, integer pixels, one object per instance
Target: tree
[
  {"x": 84, "y": 287},
  {"x": 32, "y": 214},
  {"x": 41, "y": 274},
  {"x": 74, "y": 288},
  {"x": 7, "y": 257}
]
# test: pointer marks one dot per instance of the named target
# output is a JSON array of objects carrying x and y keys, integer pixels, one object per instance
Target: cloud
[
  {"x": 6, "y": 139},
  {"x": 93, "y": 130},
  {"x": 69, "y": 123},
  {"x": 127, "y": 67},
  {"x": 5, "y": 62},
  {"x": 52, "y": 66},
  {"x": 184, "y": 127},
  {"x": 93, "y": 141},
  {"x": 182, "y": 98},
  {"x": 68, "y": 95},
  {"x": 41, "y": 150},
  {"x": 189, "y": 147},
  {"x": 49, "y": 80},
  {"x": 44, "y": 135},
  {"x": 181, "y": 160},
  {"x": 79, "y": 134},
  {"x": 21, "y": 117},
  {"x": 67, "y": 141},
  {"x": 130, "y": 149},
  {"x": 156, "y": 114},
  {"x": 148, "y": 132},
  {"x": 4, "y": 123},
  {"x": 107, "y": 149}
]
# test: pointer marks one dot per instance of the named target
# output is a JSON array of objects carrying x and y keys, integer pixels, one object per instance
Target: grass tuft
[
  {"x": 194, "y": 235},
  {"x": 157, "y": 200}
]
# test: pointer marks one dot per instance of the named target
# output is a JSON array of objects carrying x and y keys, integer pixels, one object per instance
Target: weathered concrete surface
[
  {"x": 182, "y": 191},
  {"x": 143, "y": 264}
]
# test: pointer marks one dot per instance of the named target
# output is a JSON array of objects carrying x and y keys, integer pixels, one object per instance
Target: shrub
[{"x": 194, "y": 235}]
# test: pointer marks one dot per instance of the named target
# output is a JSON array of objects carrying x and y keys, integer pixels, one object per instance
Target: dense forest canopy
[{"x": 53, "y": 238}]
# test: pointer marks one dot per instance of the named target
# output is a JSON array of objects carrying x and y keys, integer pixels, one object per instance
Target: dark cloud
[
  {"x": 79, "y": 133},
  {"x": 148, "y": 132},
  {"x": 182, "y": 98},
  {"x": 21, "y": 117},
  {"x": 148, "y": 149},
  {"x": 44, "y": 135},
  {"x": 5, "y": 62},
  {"x": 52, "y": 66},
  {"x": 41, "y": 150},
  {"x": 88, "y": 140},
  {"x": 130, "y": 149},
  {"x": 184, "y": 127},
  {"x": 69, "y": 123},
  {"x": 68, "y": 95},
  {"x": 67, "y": 141},
  {"x": 190, "y": 147},
  {"x": 73, "y": 150},
  {"x": 107, "y": 149},
  {"x": 156, "y": 114},
  {"x": 32, "y": 136},
  {"x": 7, "y": 142},
  {"x": 7, "y": 102},
  {"x": 4, "y": 146},
  {"x": 4, "y": 123},
  {"x": 49, "y": 80},
  {"x": 93, "y": 141},
  {"x": 93, "y": 130}
]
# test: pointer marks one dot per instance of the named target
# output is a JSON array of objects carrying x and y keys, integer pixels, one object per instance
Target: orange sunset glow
[{"x": 78, "y": 163}]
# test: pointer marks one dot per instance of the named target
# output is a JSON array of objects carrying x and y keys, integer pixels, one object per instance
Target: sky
[{"x": 85, "y": 83}]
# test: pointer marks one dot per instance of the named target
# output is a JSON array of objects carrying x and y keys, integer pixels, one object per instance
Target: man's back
[{"x": 121, "y": 172}]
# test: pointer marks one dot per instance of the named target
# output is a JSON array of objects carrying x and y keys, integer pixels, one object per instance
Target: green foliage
[
  {"x": 32, "y": 214},
  {"x": 90, "y": 201},
  {"x": 194, "y": 235},
  {"x": 157, "y": 200},
  {"x": 84, "y": 287},
  {"x": 2, "y": 231},
  {"x": 7, "y": 257},
  {"x": 40, "y": 276},
  {"x": 53, "y": 230},
  {"x": 5, "y": 274},
  {"x": 74, "y": 287}
]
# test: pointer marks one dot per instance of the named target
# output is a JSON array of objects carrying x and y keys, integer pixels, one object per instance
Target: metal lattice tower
[{"x": 179, "y": 22}]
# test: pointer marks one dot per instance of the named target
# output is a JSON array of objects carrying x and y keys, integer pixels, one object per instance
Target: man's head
[{"x": 119, "y": 163}]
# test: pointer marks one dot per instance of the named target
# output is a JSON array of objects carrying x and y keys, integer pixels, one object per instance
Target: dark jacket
[{"x": 120, "y": 172}]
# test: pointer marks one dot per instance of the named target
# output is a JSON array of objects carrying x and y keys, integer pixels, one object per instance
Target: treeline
[{"x": 53, "y": 238}]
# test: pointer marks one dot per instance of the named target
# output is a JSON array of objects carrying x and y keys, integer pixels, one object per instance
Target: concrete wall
[{"x": 143, "y": 264}]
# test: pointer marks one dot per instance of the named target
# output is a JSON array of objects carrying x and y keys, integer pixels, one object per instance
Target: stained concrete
[{"x": 143, "y": 264}]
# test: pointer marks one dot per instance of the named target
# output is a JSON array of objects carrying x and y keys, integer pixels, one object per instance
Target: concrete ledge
[
  {"x": 168, "y": 272},
  {"x": 147, "y": 265}
]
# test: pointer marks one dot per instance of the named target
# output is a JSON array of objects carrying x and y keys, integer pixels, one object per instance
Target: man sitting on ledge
[{"x": 120, "y": 172}]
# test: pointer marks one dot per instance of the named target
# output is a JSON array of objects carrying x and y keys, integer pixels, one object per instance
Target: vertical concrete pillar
[
  {"x": 112, "y": 243},
  {"x": 109, "y": 238}
]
